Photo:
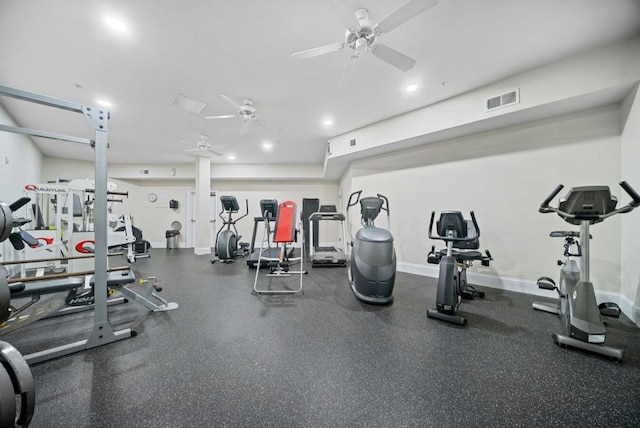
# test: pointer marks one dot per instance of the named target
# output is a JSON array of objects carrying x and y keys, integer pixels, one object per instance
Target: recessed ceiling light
[
  {"x": 231, "y": 157},
  {"x": 410, "y": 88},
  {"x": 267, "y": 145},
  {"x": 327, "y": 122},
  {"x": 115, "y": 24},
  {"x": 103, "y": 103}
]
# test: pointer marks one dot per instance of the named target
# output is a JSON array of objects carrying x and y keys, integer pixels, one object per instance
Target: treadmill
[
  {"x": 324, "y": 255},
  {"x": 269, "y": 210}
]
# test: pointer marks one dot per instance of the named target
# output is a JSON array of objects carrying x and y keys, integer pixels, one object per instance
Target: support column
[{"x": 203, "y": 215}]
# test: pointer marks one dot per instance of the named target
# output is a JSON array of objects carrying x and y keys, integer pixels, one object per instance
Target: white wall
[
  {"x": 20, "y": 164},
  {"x": 155, "y": 218},
  {"x": 505, "y": 188},
  {"x": 547, "y": 91},
  {"x": 630, "y": 243}
]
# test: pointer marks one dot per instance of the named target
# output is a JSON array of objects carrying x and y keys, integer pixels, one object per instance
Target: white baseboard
[
  {"x": 163, "y": 244},
  {"x": 199, "y": 251},
  {"x": 628, "y": 307}
]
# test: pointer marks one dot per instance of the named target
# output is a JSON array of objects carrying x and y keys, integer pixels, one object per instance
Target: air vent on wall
[{"x": 502, "y": 100}]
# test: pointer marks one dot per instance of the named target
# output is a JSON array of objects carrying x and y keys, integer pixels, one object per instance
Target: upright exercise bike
[
  {"x": 371, "y": 264},
  {"x": 458, "y": 233},
  {"x": 227, "y": 237},
  {"x": 582, "y": 325}
]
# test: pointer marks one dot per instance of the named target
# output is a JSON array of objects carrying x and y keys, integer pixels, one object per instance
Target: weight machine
[{"x": 102, "y": 332}]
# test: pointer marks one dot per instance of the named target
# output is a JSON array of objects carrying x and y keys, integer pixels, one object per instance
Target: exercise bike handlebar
[
  {"x": 633, "y": 204},
  {"x": 453, "y": 239},
  {"x": 544, "y": 206},
  {"x": 632, "y": 193}
]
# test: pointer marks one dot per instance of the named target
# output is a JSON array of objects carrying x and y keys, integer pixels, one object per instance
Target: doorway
[{"x": 191, "y": 218}]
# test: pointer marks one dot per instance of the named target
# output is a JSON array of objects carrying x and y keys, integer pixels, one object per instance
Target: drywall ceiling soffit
[
  {"x": 64, "y": 50},
  {"x": 378, "y": 159}
]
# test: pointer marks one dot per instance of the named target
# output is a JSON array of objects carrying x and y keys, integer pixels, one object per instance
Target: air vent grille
[{"x": 502, "y": 100}]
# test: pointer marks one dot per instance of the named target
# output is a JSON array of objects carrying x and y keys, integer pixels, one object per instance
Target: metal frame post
[{"x": 102, "y": 332}]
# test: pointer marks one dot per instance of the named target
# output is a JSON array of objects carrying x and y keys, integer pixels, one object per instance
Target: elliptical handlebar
[
  {"x": 229, "y": 221},
  {"x": 386, "y": 203},
  {"x": 453, "y": 239},
  {"x": 357, "y": 194},
  {"x": 545, "y": 208},
  {"x": 246, "y": 210}
]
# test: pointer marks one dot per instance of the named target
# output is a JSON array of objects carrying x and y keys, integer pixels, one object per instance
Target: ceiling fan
[
  {"x": 364, "y": 38},
  {"x": 245, "y": 111},
  {"x": 203, "y": 148}
]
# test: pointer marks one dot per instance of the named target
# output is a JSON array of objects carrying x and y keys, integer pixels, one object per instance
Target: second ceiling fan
[{"x": 244, "y": 111}]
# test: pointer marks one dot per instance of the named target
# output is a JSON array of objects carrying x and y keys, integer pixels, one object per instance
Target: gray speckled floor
[{"x": 228, "y": 358}]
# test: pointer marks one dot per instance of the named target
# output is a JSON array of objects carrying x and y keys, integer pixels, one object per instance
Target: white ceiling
[{"x": 242, "y": 49}]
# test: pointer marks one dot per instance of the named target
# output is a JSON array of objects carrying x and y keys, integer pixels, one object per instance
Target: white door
[{"x": 191, "y": 218}]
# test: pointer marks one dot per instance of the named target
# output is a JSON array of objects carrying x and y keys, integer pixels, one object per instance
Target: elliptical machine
[
  {"x": 372, "y": 260},
  {"x": 457, "y": 232},
  {"x": 227, "y": 239},
  {"x": 580, "y": 314}
]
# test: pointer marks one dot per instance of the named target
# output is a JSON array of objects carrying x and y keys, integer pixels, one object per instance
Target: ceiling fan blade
[
  {"x": 230, "y": 101},
  {"x": 262, "y": 123},
  {"x": 214, "y": 152},
  {"x": 393, "y": 57},
  {"x": 348, "y": 69},
  {"x": 223, "y": 116},
  {"x": 244, "y": 127},
  {"x": 310, "y": 53},
  {"x": 402, "y": 15}
]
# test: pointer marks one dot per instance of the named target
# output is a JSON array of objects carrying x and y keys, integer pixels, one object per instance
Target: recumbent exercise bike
[{"x": 460, "y": 234}]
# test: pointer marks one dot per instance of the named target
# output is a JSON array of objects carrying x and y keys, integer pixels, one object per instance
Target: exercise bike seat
[
  {"x": 566, "y": 234},
  {"x": 461, "y": 256}
]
